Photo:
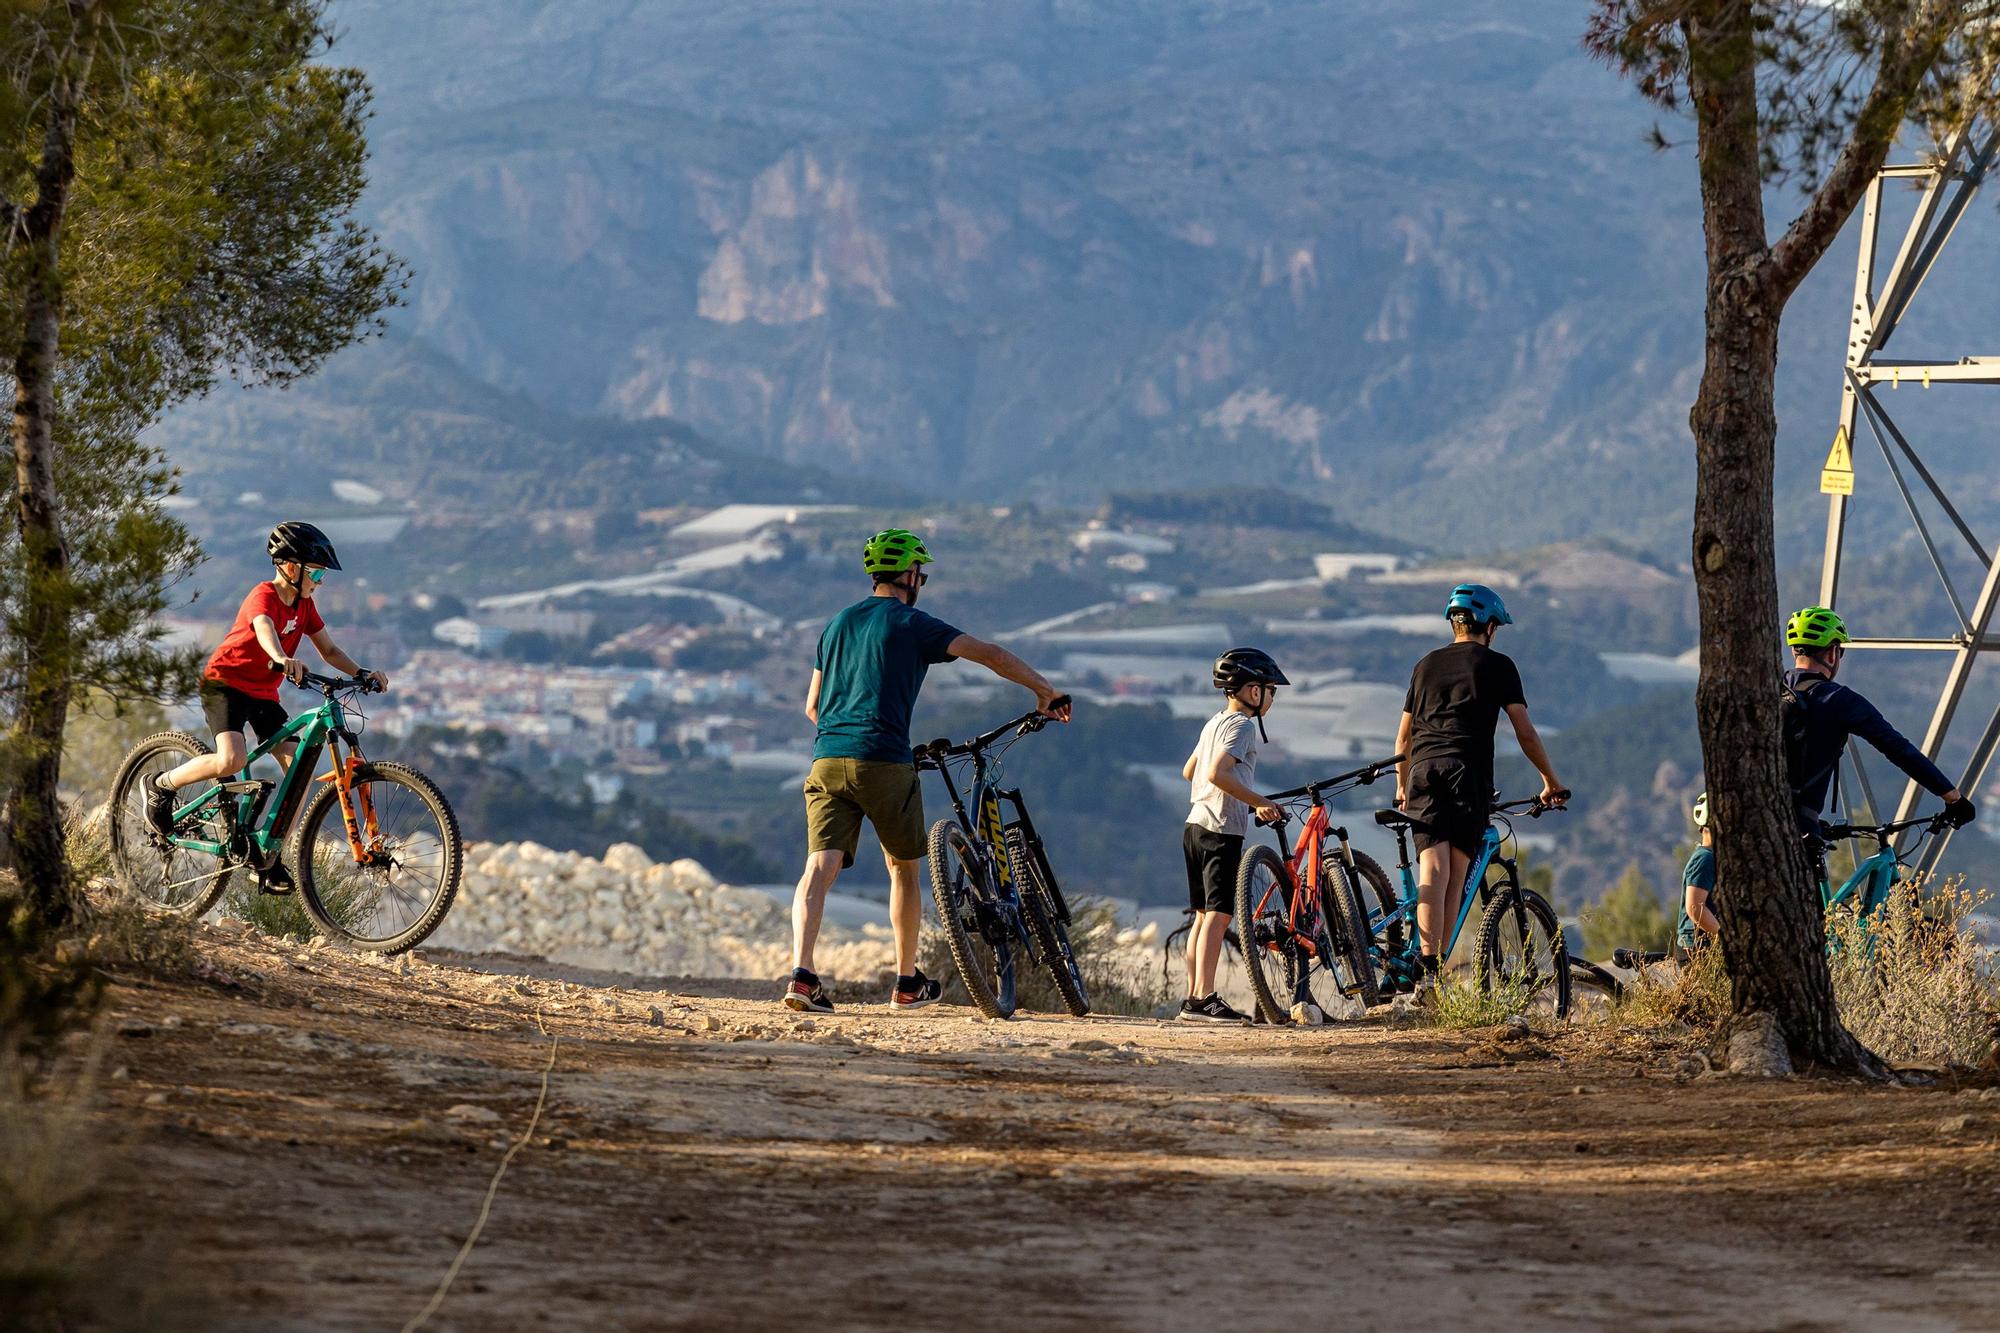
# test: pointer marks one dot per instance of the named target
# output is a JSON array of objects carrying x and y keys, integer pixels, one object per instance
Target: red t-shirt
[{"x": 241, "y": 662}]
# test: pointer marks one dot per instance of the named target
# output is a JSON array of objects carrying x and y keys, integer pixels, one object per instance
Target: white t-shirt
[{"x": 1212, "y": 808}]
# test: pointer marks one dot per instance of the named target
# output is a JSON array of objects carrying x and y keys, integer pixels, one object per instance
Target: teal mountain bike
[
  {"x": 374, "y": 847},
  {"x": 1520, "y": 943}
]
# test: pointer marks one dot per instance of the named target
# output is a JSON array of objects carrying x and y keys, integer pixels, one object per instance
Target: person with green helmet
[
  {"x": 1820, "y": 715},
  {"x": 871, "y": 663}
]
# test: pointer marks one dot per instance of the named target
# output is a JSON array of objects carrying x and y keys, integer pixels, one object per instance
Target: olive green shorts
[{"x": 840, "y": 793}]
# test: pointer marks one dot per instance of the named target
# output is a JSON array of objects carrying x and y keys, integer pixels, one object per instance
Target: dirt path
[{"x": 307, "y": 1149}]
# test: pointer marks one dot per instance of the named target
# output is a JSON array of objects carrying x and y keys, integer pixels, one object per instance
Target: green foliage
[
  {"x": 722, "y": 650},
  {"x": 1460, "y": 1004},
  {"x": 101, "y": 729},
  {"x": 1629, "y": 915},
  {"x": 1256, "y": 507}
]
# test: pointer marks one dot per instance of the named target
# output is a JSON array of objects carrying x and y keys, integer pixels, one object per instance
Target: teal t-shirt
[
  {"x": 1699, "y": 874},
  {"x": 872, "y": 660}
]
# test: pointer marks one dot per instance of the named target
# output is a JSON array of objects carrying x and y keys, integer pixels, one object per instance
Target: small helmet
[
  {"x": 1246, "y": 666},
  {"x": 301, "y": 542},
  {"x": 1701, "y": 811},
  {"x": 1815, "y": 627},
  {"x": 893, "y": 551},
  {"x": 1482, "y": 602}
]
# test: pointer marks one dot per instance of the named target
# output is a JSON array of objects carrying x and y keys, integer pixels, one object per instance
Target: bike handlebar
[
  {"x": 1360, "y": 777},
  {"x": 1531, "y": 806},
  {"x": 1031, "y": 721},
  {"x": 1882, "y": 832},
  {"x": 328, "y": 684}
]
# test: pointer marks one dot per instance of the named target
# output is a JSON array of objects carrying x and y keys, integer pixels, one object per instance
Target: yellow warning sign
[{"x": 1837, "y": 476}]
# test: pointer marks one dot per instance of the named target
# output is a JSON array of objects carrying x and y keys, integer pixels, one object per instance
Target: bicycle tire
[
  {"x": 1508, "y": 951},
  {"x": 1348, "y": 923},
  {"x": 314, "y": 894},
  {"x": 1583, "y": 971},
  {"x": 1262, "y": 947},
  {"x": 1375, "y": 884},
  {"x": 1045, "y": 925},
  {"x": 993, "y": 996},
  {"x": 134, "y": 854}
]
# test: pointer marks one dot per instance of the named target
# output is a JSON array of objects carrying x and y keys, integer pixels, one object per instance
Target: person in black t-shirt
[{"x": 1445, "y": 782}]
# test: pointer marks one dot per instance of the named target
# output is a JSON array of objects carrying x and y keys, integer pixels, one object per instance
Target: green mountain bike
[{"x": 374, "y": 847}]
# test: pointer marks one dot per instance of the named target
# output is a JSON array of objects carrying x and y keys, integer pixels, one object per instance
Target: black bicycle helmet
[
  {"x": 1246, "y": 666},
  {"x": 301, "y": 542}
]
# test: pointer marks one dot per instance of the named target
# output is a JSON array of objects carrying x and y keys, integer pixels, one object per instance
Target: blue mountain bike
[
  {"x": 1520, "y": 944},
  {"x": 1869, "y": 886}
]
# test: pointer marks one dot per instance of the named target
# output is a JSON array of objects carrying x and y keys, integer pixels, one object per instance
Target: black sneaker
[
  {"x": 1215, "y": 1009},
  {"x": 1188, "y": 1010},
  {"x": 159, "y": 808},
  {"x": 807, "y": 999},
  {"x": 926, "y": 991}
]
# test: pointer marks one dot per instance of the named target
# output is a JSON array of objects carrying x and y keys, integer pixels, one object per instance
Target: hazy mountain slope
[{"x": 1402, "y": 255}]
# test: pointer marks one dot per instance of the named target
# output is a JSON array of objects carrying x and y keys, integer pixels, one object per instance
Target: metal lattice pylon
[{"x": 1946, "y": 184}]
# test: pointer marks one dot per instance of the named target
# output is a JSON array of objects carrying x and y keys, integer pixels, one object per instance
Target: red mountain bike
[{"x": 1300, "y": 916}]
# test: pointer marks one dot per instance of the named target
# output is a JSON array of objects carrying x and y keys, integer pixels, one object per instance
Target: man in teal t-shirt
[
  {"x": 1697, "y": 922},
  {"x": 871, "y": 663}
]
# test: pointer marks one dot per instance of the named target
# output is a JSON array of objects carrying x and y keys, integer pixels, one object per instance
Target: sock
[
  {"x": 160, "y": 783},
  {"x": 805, "y": 975},
  {"x": 1429, "y": 962}
]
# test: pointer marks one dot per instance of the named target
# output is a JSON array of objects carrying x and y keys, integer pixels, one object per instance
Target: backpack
[{"x": 1794, "y": 719}]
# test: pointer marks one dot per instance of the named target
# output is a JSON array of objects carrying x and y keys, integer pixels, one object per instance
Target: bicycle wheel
[
  {"x": 1379, "y": 900},
  {"x": 393, "y": 898},
  {"x": 1521, "y": 947},
  {"x": 1051, "y": 936},
  {"x": 1582, "y": 972},
  {"x": 1345, "y": 950},
  {"x": 1272, "y": 955},
  {"x": 178, "y": 881},
  {"x": 968, "y": 908}
]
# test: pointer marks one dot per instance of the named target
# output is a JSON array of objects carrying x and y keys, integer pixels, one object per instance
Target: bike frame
[
  {"x": 989, "y": 836},
  {"x": 1406, "y": 908},
  {"x": 315, "y": 731}
]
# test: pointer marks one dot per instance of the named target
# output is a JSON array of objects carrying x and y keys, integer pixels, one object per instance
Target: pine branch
[{"x": 1905, "y": 62}]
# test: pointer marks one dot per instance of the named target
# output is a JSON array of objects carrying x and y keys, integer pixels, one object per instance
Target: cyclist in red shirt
[{"x": 239, "y": 686}]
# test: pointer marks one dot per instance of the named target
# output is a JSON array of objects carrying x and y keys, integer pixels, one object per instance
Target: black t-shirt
[{"x": 1455, "y": 699}]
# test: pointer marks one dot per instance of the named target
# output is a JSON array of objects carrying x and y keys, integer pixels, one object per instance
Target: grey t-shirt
[{"x": 1213, "y": 808}]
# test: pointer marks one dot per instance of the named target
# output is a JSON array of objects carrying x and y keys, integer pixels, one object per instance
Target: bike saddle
[{"x": 1394, "y": 819}]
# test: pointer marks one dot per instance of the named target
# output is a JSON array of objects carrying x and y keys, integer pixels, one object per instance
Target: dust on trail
[{"x": 310, "y": 1148}]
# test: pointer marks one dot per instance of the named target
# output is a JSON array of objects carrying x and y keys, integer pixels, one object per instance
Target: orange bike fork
[{"x": 352, "y": 796}]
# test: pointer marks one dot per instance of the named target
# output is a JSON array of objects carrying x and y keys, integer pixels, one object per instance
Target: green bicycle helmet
[
  {"x": 1815, "y": 627},
  {"x": 892, "y": 551}
]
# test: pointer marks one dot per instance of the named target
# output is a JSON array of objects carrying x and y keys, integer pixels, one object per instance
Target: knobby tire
[{"x": 952, "y": 900}]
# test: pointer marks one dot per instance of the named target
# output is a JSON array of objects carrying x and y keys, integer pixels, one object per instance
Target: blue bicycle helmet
[{"x": 1482, "y": 602}]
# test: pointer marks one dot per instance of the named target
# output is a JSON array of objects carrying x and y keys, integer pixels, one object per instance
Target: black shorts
[
  {"x": 1212, "y": 862},
  {"x": 226, "y": 708},
  {"x": 1448, "y": 803}
]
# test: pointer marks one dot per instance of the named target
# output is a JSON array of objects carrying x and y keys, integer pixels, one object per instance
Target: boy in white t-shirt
[{"x": 1221, "y": 801}]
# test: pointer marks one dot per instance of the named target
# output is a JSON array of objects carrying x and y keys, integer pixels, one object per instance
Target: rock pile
[{"x": 627, "y": 912}]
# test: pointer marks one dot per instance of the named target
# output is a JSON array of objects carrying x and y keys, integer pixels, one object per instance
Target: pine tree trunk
[
  {"x": 35, "y": 832},
  {"x": 1772, "y": 934}
]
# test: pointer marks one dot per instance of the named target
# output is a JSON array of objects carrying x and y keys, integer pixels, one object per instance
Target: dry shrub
[
  {"x": 1912, "y": 980},
  {"x": 49, "y": 1171},
  {"x": 1694, "y": 994},
  {"x": 112, "y": 928},
  {"x": 1458, "y": 1003}
]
